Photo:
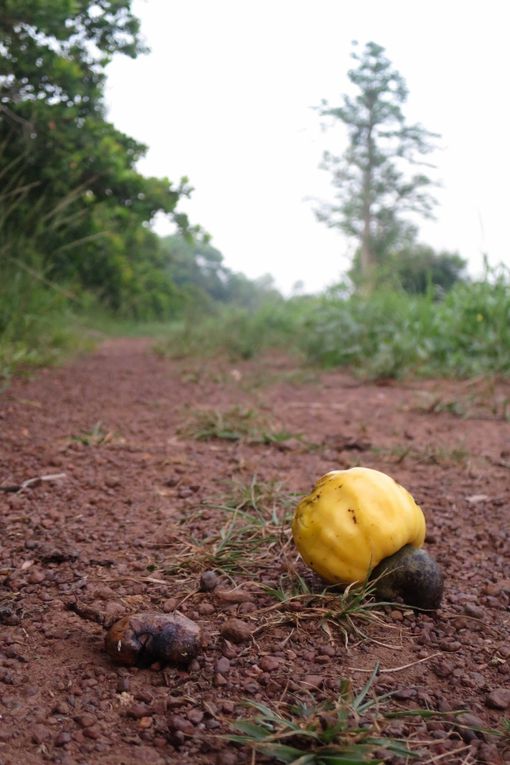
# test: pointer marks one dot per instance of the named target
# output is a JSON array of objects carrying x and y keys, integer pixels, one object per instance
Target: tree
[
  {"x": 375, "y": 189},
  {"x": 198, "y": 268},
  {"x": 415, "y": 268},
  {"x": 74, "y": 187},
  {"x": 420, "y": 267}
]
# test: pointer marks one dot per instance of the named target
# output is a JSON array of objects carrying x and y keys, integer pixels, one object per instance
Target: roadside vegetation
[
  {"x": 389, "y": 334},
  {"x": 75, "y": 213},
  {"x": 78, "y": 257}
]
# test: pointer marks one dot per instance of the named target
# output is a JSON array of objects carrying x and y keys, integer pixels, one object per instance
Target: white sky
[{"x": 225, "y": 97}]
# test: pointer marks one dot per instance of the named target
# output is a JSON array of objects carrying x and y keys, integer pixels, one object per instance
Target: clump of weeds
[
  {"x": 255, "y": 529},
  {"x": 233, "y": 424},
  {"x": 429, "y": 455},
  {"x": 347, "y": 731},
  {"x": 480, "y": 398},
  {"x": 98, "y": 435}
]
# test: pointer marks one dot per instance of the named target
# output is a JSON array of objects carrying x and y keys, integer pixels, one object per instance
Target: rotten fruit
[
  {"x": 360, "y": 524},
  {"x": 148, "y": 638}
]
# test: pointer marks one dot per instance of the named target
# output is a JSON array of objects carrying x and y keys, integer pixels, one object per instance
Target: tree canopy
[
  {"x": 416, "y": 268},
  {"x": 199, "y": 269},
  {"x": 71, "y": 178}
]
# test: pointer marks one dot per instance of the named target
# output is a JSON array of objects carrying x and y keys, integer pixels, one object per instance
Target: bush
[
  {"x": 35, "y": 325},
  {"x": 238, "y": 333},
  {"x": 390, "y": 334}
]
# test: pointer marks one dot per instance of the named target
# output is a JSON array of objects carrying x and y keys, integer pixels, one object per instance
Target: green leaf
[
  {"x": 346, "y": 759},
  {"x": 358, "y": 703},
  {"x": 258, "y": 732},
  {"x": 287, "y": 754}
]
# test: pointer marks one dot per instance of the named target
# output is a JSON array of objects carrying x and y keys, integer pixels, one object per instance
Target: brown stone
[{"x": 236, "y": 630}]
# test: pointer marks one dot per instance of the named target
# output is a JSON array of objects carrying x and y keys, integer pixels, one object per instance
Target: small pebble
[
  {"x": 469, "y": 725},
  {"x": 223, "y": 665},
  {"x": 138, "y": 710},
  {"x": 402, "y": 694},
  {"x": 450, "y": 645},
  {"x": 473, "y": 610},
  {"x": 497, "y": 588},
  {"x": 233, "y": 596},
  {"x": 488, "y": 754},
  {"x": 178, "y": 723},
  {"x": 123, "y": 684},
  {"x": 270, "y": 663},
  {"x": 63, "y": 738},
  {"x": 40, "y": 733},
  {"x": 36, "y": 577},
  {"x": 236, "y": 630},
  {"x": 227, "y": 758},
  {"x": 85, "y": 720},
  {"x": 499, "y": 698},
  {"x": 93, "y": 732},
  {"x": 206, "y": 609},
  {"x": 209, "y": 580},
  {"x": 195, "y": 716},
  {"x": 313, "y": 680}
]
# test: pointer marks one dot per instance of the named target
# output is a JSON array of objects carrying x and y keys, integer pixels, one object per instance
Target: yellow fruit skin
[{"x": 352, "y": 520}]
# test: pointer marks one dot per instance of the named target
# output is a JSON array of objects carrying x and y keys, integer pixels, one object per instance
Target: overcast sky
[{"x": 226, "y": 97}]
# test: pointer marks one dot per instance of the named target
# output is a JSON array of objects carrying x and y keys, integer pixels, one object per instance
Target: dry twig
[{"x": 31, "y": 483}]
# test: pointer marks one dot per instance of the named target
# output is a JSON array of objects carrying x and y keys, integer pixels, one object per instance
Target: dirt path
[{"x": 114, "y": 535}]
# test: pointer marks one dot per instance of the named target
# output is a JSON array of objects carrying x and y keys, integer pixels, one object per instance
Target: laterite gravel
[{"x": 99, "y": 543}]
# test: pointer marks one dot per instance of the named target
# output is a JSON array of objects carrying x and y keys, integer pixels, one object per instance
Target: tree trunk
[{"x": 367, "y": 260}]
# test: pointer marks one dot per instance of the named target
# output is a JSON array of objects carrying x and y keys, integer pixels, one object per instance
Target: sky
[{"x": 227, "y": 97}]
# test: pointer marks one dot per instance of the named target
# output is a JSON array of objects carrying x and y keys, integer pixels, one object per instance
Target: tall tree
[{"x": 374, "y": 186}]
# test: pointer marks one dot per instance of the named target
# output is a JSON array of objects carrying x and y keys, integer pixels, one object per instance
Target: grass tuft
[
  {"x": 392, "y": 334},
  {"x": 254, "y": 532},
  {"x": 98, "y": 435},
  {"x": 233, "y": 424},
  {"x": 236, "y": 333},
  {"x": 348, "y": 731},
  {"x": 442, "y": 456}
]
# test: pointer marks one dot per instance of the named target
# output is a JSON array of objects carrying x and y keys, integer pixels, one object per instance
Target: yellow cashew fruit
[{"x": 360, "y": 523}]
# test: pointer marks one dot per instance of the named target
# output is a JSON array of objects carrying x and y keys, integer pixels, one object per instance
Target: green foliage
[
  {"x": 254, "y": 522},
  {"x": 419, "y": 267},
  {"x": 464, "y": 333},
  {"x": 392, "y": 334},
  {"x": 374, "y": 188},
  {"x": 198, "y": 269},
  {"x": 239, "y": 333},
  {"x": 349, "y": 731},
  {"x": 71, "y": 176},
  {"x": 233, "y": 424},
  {"x": 415, "y": 268},
  {"x": 36, "y": 327},
  {"x": 74, "y": 210}
]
